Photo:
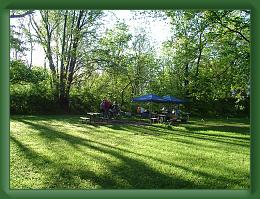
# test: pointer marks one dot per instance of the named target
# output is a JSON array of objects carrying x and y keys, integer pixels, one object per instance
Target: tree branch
[
  {"x": 22, "y": 15},
  {"x": 230, "y": 29}
]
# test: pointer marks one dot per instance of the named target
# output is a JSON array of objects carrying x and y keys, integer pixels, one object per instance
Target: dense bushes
[
  {"x": 221, "y": 107},
  {"x": 83, "y": 102},
  {"x": 31, "y": 93}
]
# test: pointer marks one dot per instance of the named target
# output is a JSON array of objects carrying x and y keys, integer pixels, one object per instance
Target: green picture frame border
[{"x": 7, "y": 5}]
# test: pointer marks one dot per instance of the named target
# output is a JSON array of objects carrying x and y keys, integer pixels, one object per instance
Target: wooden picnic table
[
  {"x": 162, "y": 117},
  {"x": 93, "y": 116},
  {"x": 154, "y": 119}
]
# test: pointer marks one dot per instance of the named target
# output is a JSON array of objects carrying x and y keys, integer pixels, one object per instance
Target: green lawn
[{"x": 58, "y": 152}]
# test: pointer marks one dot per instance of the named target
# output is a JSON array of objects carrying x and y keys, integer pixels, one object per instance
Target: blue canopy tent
[
  {"x": 174, "y": 100},
  {"x": 148, "y": 98},
  {"x": 171, "y": 99}
]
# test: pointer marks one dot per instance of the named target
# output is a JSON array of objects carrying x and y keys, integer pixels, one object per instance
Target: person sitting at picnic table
[
  {"x": 142, "y": 112},
  {"x": 171, "y": 115},
  {"x": 178, "y": 113},
  {"x": 115, "y": 109},
  {"x": 145, "y": 114},
  {"x": 164, "y": 110},
  {"x": 138, "y": 110},
  {"x": 168, "y": 116}
]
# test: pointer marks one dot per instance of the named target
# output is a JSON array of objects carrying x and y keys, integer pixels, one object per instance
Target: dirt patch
[{"x": 114, "y": 122}]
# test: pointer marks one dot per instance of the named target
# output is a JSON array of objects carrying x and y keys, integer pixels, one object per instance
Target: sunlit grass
[{"x": 58, "y": 152}]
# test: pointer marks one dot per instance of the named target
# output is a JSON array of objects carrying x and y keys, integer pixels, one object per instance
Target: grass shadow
[
  {"x": 154, "y": 131},
  {"x": 222, "y": 128},
  {"x": 134, "y": 173},
  {"x": 131, "y": 173}
]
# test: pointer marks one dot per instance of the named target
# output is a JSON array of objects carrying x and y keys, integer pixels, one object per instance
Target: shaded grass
[{"x": 58, "y": 152}]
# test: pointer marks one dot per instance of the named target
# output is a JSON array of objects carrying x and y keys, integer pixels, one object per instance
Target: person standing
[{"x": 107, "y": 105}]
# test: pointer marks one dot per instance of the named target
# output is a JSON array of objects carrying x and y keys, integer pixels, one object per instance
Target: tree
[
  {"x": 113, "y": 58},
  {"x": 20, "y": 33},
  {"x": 207, "y": 58},
  {"x": 62, "y": 50},
  {"x": 212, "y": 49}
]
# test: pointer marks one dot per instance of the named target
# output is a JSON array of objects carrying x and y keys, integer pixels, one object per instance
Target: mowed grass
[{"x": 59, "y": 152}]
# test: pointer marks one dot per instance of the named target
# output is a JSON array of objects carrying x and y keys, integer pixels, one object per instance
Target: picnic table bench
[
  {"x": 84, "y": 119},
  {"x": 174, "y": 121},
  {"x": 93, "y": 117},
  {"x": 154, "y": 119}
]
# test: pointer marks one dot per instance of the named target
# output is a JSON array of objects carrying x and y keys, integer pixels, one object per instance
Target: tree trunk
[
  {"x": 199, "y": 56},
  {"x": 63, "y": 98},
  {"x": 186, "y": 80},
  {"x": 49, "y": 53},
  {"x": 31, "y": 46},
  {"x": 122, "y": 94},
  {"x": 73, "y": 59}
]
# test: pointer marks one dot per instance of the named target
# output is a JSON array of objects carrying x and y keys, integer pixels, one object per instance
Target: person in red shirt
[{"x": 107, "y": 105}]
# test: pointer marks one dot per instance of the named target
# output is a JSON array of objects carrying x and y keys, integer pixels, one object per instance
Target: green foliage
[
  {"x": 84, "y": 102},
  {"x": 31, "y": 101},
  {"x": 20, "y": 73},
  {"x": 16, "y": 44},
  {"x": 207, "y": 60},
  {"x": 30, "y": 91}
]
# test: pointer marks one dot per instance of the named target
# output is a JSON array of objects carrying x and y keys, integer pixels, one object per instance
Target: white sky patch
[
  {"x": 158, "y": 30},
  {"x": 38, "y": 56}
]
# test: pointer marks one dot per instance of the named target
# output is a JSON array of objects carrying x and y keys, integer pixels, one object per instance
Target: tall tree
[
  {"x": 212, "y": 48},
  {"x": 74, "y": 26}
]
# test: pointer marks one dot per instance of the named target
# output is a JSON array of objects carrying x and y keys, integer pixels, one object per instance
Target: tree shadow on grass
[
  {"x": 154, "y": 130},
  {"x": 222, "y": 135},
  {"x": 242, "y": 130},
  {"x": 133, "y": 172},
  {"x": 165, "y": 131},
  {"x": 60, "y": 176}
]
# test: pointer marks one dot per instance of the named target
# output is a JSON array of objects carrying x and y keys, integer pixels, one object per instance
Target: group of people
[
  {"x": 109, "y": 109},
  {"x": 112, "y": 110},
  {"x": 169, "y": 112}
]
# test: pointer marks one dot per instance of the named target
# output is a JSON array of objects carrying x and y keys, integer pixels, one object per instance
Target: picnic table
[
  {"x": 93, "y": 116},
  {"x": 84, "y": 119},
  {"x": 162, "y": 117},
  {"x": 154, "y": 119},
  {"x": 158, "y": 118}
]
